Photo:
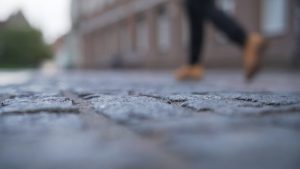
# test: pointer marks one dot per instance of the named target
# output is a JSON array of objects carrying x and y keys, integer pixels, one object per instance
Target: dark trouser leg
[
  {"x": 200, "y": 10},
  {"x": 196, "y": 26},
  {"x": 229, "y": 26}
]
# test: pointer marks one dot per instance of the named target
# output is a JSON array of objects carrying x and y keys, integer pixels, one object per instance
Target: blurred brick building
[
  {"x": 296, "y": 59},
  {"x": 154, "y": 33}
]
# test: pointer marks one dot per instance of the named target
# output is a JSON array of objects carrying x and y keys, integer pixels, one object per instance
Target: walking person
[{"x": 201, "y": 11}]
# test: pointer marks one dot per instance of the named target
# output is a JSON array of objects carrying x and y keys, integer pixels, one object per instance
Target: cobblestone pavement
[{"x": 141, "y": 120}]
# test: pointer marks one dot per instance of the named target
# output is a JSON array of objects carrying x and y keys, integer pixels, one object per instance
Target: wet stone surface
[
  {"x": 36, "y": 104},
  {"x": 125, "y": 109},
  {"x": 147, "y": 120}
]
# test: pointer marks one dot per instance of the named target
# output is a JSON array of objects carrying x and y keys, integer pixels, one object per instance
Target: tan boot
[
  {"x": 197, "y": 72},
  {"x": 194, "y": 72},
  {"x": 252, "y": 55}
]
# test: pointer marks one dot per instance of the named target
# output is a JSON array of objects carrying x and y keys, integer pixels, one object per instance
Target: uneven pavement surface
[{"x": 146, "y": 120}]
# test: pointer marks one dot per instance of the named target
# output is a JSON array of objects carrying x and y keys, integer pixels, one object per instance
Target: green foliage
[{"x": 22, "y": 48}]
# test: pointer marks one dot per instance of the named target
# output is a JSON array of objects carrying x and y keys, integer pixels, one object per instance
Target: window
[
  {"x": 274, "y": 17},
  {"x": 125, "y": 41},
  {"x": 142, "y": 35},
  {"x": 163, "y": 29}
]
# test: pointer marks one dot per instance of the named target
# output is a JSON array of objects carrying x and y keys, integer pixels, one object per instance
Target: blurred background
[{"x": 144, "y": 34}]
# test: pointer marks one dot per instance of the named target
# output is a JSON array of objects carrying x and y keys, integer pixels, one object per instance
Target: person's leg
[
  {"x": 252, "y": 44},
  {"x": 196, "y": 21},
  {"x": 232, "y": 29},
  {"x": 198, "y": 11},
  {"x": 196, "y": 18}
]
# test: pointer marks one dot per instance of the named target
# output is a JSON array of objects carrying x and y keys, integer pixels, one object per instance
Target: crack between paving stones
[
  {"x": 180, "y": 103},
  {"x": 94, "y": 120},
  {"x": 86, "y": 110},
  {"x": 265, "y": 113},
  {"x": 155, "y": 138},
  {"x": 293, "y": 110},
  {"x": 251, "y": 100},
  {"x": 38, "y": 111}
]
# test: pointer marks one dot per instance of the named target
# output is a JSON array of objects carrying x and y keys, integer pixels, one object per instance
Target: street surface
[{"x": 147, "y": 120}]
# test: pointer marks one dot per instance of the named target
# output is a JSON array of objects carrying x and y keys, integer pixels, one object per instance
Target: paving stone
[
  {"x": 132, "y": 108},
  {"x": 41, "y": 123},
  {"x": 260, "y": 148},
  {"x": 73, "y": 149},
  {"x": 217, "y": 141},
  {"x": 35, "y": 104},
  {"x": 45, "y": 141},
  {"x": 78, "y": 152}
]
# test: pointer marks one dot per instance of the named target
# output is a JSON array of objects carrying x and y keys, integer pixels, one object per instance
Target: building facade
[
  {"x": 296, "y": 60},
  {"x": 154, "y": 33}
]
